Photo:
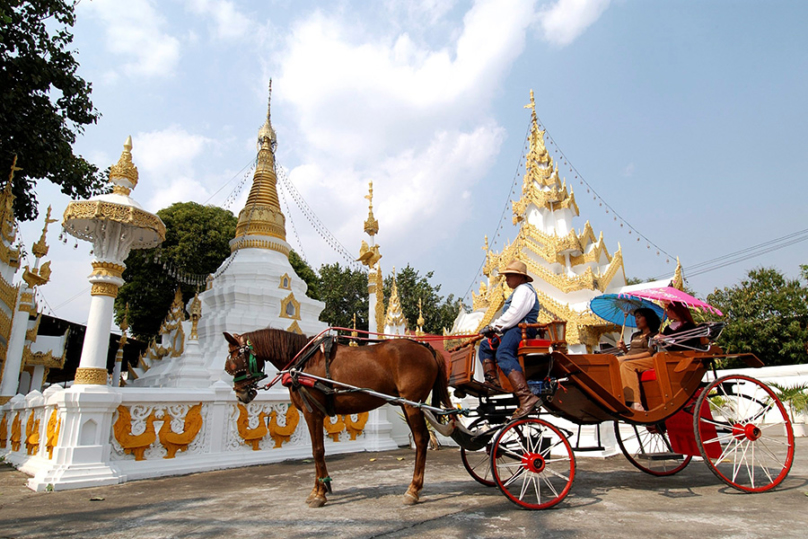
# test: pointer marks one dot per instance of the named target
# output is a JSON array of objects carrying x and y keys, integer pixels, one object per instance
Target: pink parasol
[{"x": 669, "y": 294}]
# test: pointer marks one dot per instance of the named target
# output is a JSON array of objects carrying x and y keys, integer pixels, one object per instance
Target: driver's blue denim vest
[{"x": 531, "y": 316}]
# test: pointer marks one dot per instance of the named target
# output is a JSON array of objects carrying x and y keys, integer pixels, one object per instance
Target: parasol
[
  {"x": 669, "y": 294},
  {"x": 619, "y": 309}
]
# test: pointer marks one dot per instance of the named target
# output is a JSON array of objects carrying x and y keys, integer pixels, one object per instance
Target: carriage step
[{"x": 662, "y": 456}]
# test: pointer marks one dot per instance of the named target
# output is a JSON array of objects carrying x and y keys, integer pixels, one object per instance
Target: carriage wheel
[
  {"x": 648, "y": 448},
  {"x": 478, "y": 463},
  {"x": 532, "y": 463},
  {"x": 743, "y": 433}
]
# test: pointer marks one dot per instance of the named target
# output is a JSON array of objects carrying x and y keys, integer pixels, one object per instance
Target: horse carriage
[{"x": 734, "y": 423}]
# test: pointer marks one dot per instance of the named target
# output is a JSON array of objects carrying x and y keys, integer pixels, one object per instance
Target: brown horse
[{"x": 400, "y": 368}]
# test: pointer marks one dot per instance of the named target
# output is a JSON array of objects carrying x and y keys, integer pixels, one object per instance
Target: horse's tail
[{"x": 440, "y": 389}]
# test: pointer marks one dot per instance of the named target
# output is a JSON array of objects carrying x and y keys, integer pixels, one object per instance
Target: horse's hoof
[
  {"x": 310, "y": 498},
  {"x": 318, "y": 501},
  {"x": 410, "y": 498}
]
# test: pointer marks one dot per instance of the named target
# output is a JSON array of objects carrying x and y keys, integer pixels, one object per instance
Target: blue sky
[{"x": 687, "y": 117}]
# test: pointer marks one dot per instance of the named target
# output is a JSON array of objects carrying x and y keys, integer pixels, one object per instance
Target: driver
[{"x": 521, "y": 307}]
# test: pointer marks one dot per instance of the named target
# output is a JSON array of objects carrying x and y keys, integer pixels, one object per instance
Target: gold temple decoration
[
  {"x": 283, "y": 433},
  {"x": 262, "y": 214},
  {"x": 133, "y": 444},
  {"x": 394, "y": 316},
  {"x": 420, "y": 321},
  {"x": 124, "y": 170},
  {"x": 40, "y": 248},
  {"x": 334, "y": 426},
  {"x": 196, "y": 314},
  {"x": 16, "y": 433},
  {"x": 354, "y": 333},
  {"x": 379, "y": 285},
  {"x": 52, "y": 432},
  {"x": 4, "y": 431},
  {"x": 355, "y": 428},
  {"x": 91, "y": 376},
  {"x": 290, "y": 307},
  {"x": 32, "y": 433},
  {"x": 250, "y": 436},
  {"x": 568, "y": 262},
  {"x": 173, "y": 441},
  {"x": 295, "y": 328},
  {"x": 371, "y": 224}
]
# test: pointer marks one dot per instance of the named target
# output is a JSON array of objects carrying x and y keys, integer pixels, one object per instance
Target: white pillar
[
  {"x": 16, "y": 343},
  {"x": 116, "y": 372},
  {"x": 38, "y": 379},
  {"x": 106, "y": 280}
]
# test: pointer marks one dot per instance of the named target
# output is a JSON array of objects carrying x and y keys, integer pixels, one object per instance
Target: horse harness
[{"x": 297, "y": 380}]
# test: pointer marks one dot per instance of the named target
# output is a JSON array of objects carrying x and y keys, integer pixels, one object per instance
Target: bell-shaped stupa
[{"x": 254, "y": 288}]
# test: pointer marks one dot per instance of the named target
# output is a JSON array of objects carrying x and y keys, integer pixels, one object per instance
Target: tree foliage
[
  {"x": 766, "y": 314},
  {"x": 438, "y": 314},
  {"x": 44, "y": 104},
  {"x": 197, "y": 240},
  {"x": 308, "y": 275},
  {"x": 345, "y": 293}
]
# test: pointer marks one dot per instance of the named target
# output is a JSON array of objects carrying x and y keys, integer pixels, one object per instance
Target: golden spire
[
  {"x": 123, "y": 175},
  {"x": 262, "y": 214},
  {"x": 420, "y": 321},
  {"x": 354, "y": 333},
  {"x": 196, "y": 314},
  {"x": 7, "y": 197},
  {"x": 394, "y": 317},
  {"x": 124, "y": 325},
  {"x": 371, "y": 224},
  {"x": 40, "y": 248}
]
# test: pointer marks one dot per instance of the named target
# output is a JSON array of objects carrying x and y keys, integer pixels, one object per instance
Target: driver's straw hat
[{"x": 517, "y": 267}]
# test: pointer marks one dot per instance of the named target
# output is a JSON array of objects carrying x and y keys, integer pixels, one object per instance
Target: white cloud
[
  {"x": 628, "y": 171},
  {"x": 135, "y": 30},
  {"x": 414, "y": 119},
  {"x": 565, "y": 20},
  {"x": 228, "y": 22},
  {"x": 165, "y": 161}
]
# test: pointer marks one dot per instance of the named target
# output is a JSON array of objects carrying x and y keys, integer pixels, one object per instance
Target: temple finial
[{"x": 269, "y": 100}]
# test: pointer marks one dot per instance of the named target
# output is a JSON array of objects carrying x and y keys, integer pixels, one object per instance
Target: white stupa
[{"x": 254, "y": 288}]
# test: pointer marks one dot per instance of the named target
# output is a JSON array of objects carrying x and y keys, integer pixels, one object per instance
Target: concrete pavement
[{"x": 609, "y": 499}]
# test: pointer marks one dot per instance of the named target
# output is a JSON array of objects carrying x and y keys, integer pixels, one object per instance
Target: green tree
[
  {"x": 438, "y": 314},
  {"x": 766, "y": 314},
  {"x": 345, "y": 293},
  {"x": 308, "y": 275},
  {"x": 197, "y": 242},
  {"x": 44, "y": 104}
]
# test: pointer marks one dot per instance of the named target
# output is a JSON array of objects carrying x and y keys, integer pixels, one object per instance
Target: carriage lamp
[{"x": 558, "y": 331}]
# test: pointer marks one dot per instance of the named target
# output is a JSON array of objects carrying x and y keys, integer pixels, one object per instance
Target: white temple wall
[{"x": 219, "y": 443}]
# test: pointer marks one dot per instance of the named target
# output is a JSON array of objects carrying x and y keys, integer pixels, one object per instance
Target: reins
[{"x": 316, "y": 339}]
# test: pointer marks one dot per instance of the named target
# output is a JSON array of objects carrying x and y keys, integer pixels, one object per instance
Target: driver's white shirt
[{"x": 523, "y": 300}]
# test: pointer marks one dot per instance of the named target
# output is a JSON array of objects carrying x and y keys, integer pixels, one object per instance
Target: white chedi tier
[{"x": 257, "y": 289}]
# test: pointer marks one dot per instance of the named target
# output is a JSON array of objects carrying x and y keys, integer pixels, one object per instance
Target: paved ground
[{"x": 609, "y": 499}]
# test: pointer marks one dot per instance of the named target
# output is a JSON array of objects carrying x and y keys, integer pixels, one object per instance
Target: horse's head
[{"x": 243, "y": 365}]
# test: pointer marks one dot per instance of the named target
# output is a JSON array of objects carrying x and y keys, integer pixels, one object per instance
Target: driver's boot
[
  {"x": 490, "y": 374},
  {"x": 527, "y": 400}
]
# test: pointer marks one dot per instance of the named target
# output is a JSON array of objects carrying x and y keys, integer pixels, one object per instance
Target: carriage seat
[{"x": 535, "y": 343}]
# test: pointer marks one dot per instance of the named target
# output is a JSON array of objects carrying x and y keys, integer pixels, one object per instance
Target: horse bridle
[{"x": 251, "y": 373}]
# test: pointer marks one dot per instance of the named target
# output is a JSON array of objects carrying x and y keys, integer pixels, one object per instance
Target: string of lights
[
  {"x": 315, "y": 222},
  {"x": 506, "y": 207},
  {"x": 745, "y": 254},
  {"x": 288, "y": 214},
  {"x": 599, "y": 199}
]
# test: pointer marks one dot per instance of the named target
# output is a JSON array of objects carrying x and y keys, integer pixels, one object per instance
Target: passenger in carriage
[
  {"x": 639, "y": 355},
  {"x": 521, "y": 306},
  {"x": 681, "y": 320}
]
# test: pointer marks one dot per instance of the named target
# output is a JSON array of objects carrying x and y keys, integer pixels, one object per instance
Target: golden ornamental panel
[
  {"x": 107, "y": 269},
  {"x": 91, "y": 376},
  {"x": 98, "y": 210},
  {"x": 290, "y": 307},
  {"x": 8, "y": 293},
  {"x": 259, "y": 244},
  {"x": 105, "y": 289}
]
